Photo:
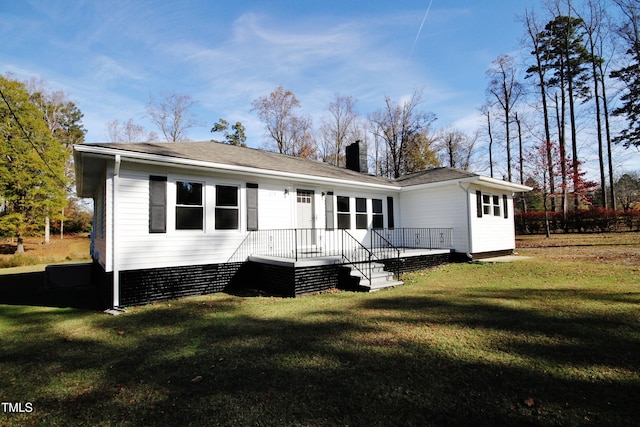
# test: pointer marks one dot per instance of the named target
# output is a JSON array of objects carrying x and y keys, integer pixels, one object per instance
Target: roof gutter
[
  {"x": 497, "y": 183},
  {"x": 478, "y": 179}
]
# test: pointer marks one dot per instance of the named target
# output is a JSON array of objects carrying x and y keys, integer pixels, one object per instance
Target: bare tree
[
  {"x": 126, "y": 132},
  {"x": 173, "y": 115},
  {"x": 338, "y": 127},
  {"x": 397, "y": 125},
  {"x": 504, "y": 87},
  {"x": 456, "y": 148},
  {"x": 485, "y": 109},
  {"x": 291, "y": 133}
]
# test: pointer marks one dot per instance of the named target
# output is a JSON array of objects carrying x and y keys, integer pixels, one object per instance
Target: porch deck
[
  {"x": 299, "y": 261},
  {"x": 309, "y": 260}
]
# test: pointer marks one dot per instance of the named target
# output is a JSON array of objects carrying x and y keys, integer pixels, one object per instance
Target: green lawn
[{"x": 547, "y": 341}]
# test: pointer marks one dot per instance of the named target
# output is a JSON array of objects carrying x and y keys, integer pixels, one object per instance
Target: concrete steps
[{"x": 380, "y": 278}]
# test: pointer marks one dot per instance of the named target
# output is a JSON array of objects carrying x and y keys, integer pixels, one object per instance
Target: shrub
[{"x": 593, "y": 219}]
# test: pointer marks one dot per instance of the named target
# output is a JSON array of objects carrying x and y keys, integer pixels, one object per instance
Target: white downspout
[
  {"x": 114, "y": 228},
  {"x": 469, "y": 234}
]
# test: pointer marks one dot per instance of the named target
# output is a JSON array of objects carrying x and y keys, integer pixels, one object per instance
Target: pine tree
[{"x": 630, "y": 75}]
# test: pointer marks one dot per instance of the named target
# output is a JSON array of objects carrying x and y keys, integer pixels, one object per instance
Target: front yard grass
[{"x": 553, "y": 340}]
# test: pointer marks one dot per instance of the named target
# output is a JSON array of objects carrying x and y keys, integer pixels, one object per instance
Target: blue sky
[{"x": 109, "y": 56}]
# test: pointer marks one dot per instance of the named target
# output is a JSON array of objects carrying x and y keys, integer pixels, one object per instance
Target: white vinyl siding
[
  {"x": 494, "y": 231},
  {"x": 440, "y": 207},
  {"x": 137, "y": 248}
]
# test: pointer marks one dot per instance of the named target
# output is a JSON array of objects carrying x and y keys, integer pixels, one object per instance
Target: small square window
[
  {"x": 486, "y": 204},
  {"x": 496, "y": 205}
]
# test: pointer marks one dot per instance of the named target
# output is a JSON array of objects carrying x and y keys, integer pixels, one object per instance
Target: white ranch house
[{"x": 178, "y": 219}]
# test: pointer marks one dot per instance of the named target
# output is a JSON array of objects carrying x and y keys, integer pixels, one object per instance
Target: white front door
[{"x": 305, "y": 219}]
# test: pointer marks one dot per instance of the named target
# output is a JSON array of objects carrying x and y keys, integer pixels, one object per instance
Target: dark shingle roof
[
  {"x": 255, "y": 160},
  {"x": 430, "y": 176},
  {"x": 213, "y": 152}
]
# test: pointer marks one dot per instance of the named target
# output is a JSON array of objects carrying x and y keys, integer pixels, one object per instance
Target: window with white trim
[
  {"x": 491, "y": 205},
  {"x": 377, "y": 220},
  {"x": 189, "y": 206},
  {"x": 496, "y": 205},
  {"x": 344, "y": 213},
  {"x": 227, "y": 209},
  {"x": 361, "y": 213}
]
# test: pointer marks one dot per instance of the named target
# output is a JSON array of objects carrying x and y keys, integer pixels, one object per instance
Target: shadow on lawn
[
  {"x": 29, "y": 289},
  {"x": 212, "y": 362}
]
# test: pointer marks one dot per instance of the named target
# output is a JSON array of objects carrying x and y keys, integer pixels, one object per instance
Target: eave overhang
[{"x": 86, "y": 153}]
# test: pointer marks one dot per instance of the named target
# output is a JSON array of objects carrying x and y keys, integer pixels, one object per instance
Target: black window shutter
[
  {"x": 390, "y": 217},
  {"x": 329, "y": 211},
  {"x": 505, "y": 206},
  {"x": 157, "y": 204},
  {"x": 479, "y": 203},
  {"x": 252, "y": 207}
]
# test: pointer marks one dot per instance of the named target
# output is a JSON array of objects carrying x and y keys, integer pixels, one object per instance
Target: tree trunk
[
  {"x": 20, "y": 248},
  {"x": 560, "y": 118},
  {"x": 524, "y": 201},
  {"x": 490, "y": 143},
  {"x": 47, "y": 230},
  {"x": 607, "y": 128},
  {"x": 596, "y": 92}
]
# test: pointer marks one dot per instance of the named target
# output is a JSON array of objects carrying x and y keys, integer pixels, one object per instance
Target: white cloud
[{"x": 105, "y": 69}]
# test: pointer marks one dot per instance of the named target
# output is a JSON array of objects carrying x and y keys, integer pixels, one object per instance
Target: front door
[{"x": 305, "y": 219}]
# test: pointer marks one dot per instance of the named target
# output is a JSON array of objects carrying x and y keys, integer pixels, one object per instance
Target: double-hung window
[
  {"x": 227, "y": 210},
  {"x": 377, "y": 218},
  {"x": 496, "y": 205},
  {"x": 189, "y": 206},
  {"x": 361, "y": 213},
  {"x": 157, "y": 204},
  {"x": 486, "y": 204},
  {"x": 344, "y": 213}
]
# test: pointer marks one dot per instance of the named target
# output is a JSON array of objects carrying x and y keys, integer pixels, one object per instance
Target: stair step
[
  {"x": 380, "y": 278},
  {"x": 358, "y": 267},
  {"x": 376, "y": 286}
]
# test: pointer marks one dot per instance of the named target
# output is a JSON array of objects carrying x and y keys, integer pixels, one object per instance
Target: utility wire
[{"x": 33, "y": 145}]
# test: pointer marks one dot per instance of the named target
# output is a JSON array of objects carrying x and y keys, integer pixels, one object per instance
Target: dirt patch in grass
[{"x": 608, "y": 248}]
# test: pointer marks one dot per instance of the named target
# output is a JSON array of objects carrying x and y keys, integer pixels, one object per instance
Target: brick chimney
[{"x": 356, "y": 156}]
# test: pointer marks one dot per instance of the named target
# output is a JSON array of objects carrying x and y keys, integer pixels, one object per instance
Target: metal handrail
[
  {"x": 240, "y": 247},
  {"x": 300, "y": 243},
  {"x": 380, "y": 237},
  {"x": 358, "y": 247}
]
